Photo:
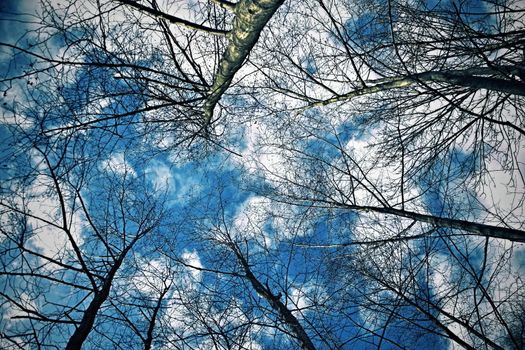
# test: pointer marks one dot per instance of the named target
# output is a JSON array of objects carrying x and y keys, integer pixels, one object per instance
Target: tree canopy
[{"x": 262, "y": 174}]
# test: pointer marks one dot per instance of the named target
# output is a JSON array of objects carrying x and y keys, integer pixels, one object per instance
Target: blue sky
[{"x": 206, "y": 196}]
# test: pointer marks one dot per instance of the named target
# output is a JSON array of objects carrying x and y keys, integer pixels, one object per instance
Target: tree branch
[
  {"x": 472, "y": 78},
  {"x": 172, "y": 19}
]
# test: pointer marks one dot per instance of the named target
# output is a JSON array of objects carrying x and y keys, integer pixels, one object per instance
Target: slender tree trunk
[
  {"x": 474, "y": 82},
  {"x": 250, "y": 18},
  {"x": 149, "y": 337},
  {"x": 275, "y": 302},
  {"x": 88, "y": 319},
  {"x": 473, "y": 227},
  {"x": 475, "y": 78},
  {"x": 81, "y": 333}
]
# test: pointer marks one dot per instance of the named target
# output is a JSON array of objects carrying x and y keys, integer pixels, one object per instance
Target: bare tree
[
  {"x": 370, "y": 192},
  {"x": 175, "y": 86},
  {"x": 62, "y": 250},
  {"x": 427, "y": 80}
]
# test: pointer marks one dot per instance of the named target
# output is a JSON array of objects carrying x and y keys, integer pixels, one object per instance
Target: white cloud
[
  {"x": 250, "y": 219},
  {"x": 152, "y": 277},
  {"x": 192, "y": 258},
  {"x": 26, "y": 301},
  {"x": 160, "y": 176},
  {"x": 117, "y": 163},
  {"x": 44, "y": 206},
  {"x": 300, "y": 300}
]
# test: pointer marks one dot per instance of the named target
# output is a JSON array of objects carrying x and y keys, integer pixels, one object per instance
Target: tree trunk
[
  {"x": 475, "y": 228},
  {"x": 149, "y": 337},
  {"x": 250, "y": 18},
  {"x": 474, "y": 78},
  {"x": 88, "y": 319},
  {"x": 274, "y": 300}
]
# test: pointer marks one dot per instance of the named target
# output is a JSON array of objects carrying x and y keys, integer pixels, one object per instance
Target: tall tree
[
  {"x": 68, "y": 227},
  {"x": 320, "y": 174}
]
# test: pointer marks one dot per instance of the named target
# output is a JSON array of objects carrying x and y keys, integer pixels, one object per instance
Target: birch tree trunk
[{"x": 250, "y": 18}]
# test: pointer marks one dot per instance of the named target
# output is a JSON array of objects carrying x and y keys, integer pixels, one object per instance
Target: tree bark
[
  {"x": 88, "y": 319},
  {"x": 149, "y": 336},
  {"x": 475, "y": 78},
  {"x": 250, "y": 18},
  {"x": 473, "y": 227},
  {"x": 275, "y": 302}
]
